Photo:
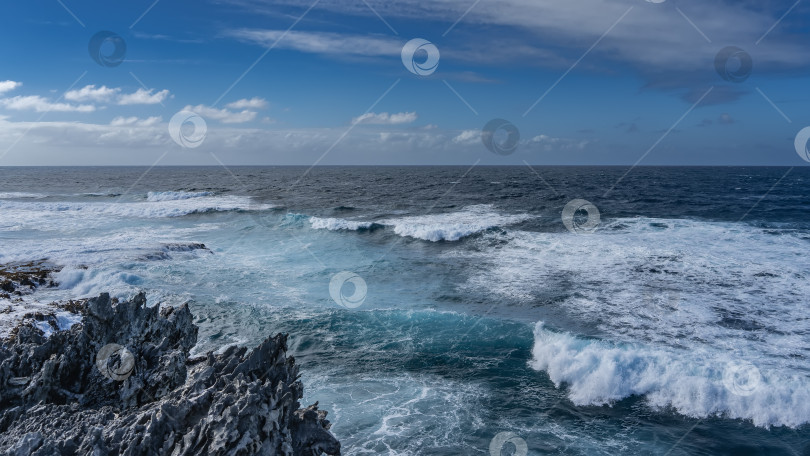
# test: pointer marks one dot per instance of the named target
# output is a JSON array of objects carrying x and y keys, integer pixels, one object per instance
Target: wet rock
[
  {"x": 23, "y": 278},
  {"x": 184, "y": 247},
  {"x": 122, "y": 382},
  {"x": 174, "y": 247}
]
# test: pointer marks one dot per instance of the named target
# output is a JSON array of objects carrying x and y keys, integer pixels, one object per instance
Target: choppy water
[{"x": 679, "y": 326}]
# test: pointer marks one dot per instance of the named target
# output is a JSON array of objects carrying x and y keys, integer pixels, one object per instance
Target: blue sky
[{"x": 302, "y": 82}]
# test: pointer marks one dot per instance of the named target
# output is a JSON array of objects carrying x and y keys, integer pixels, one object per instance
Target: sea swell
[
  {"x": 175, "y": 196},
  {"x": 451, "y": 226},
  {"x": 155, "y": 206}
]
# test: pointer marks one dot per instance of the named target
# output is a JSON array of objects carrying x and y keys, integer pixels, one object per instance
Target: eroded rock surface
[
  {"x": 18, "y": 279},
  {"x": 122, "y": 382}
]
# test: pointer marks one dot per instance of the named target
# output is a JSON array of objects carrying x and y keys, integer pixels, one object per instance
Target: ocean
[{"x": 469, "y": 310}]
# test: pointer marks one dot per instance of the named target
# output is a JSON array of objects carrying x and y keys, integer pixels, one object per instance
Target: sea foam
[
  {"x": 174, "y": 196},
  {"x": 21, "y": 195},
  {"x": 451, "y": 226},
  {"x": 337, "y": 224},
  {"x": 695, "y": 383},
  {"x": 155, "y": 207}
]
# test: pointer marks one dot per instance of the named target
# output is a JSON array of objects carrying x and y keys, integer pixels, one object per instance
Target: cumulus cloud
[
  {"x": 549, "y": 143},
  {"x": 41, "y": 104},
  {"x": 244, "y": 103},
  {"x": 91, "y": 93},
  {"x": 7, "y": 86},
  {"x": 384, "y": 118},
  {"x": 223, "y": 115},
  {"x": 135, "y": 121},
  {"x": 467, "y": 137},
  {"x": 143, "y": 96},
  {"x": 85, "y": 99},
  {"x": 47, "y": 142},
  {"x": 103, "y": 94}
]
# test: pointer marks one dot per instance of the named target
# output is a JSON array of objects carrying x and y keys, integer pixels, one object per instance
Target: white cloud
[
  {"x": 549, "y": 143},
  {"x": 244, "y": 103},
  {"x": 104, "y": 94},
  {"x": 223, "y": 115},
  {"x": 467, "y": 137},
  {"x": 143, "y": 96},
  {"x": 41, "y": 104},
  {"x": 91, "y": 93},
  {"x": 384, "y": 118},
  {"x": 127, "y": 142},
  {"x": 7, "y": 86},
  {"x": 555, "y": 33},
  {"x": 135, "y": 121},
  {"x": 334, "y": 44},
  {"x": 130, "y": 140}
]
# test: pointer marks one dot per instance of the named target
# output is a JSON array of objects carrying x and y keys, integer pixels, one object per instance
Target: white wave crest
[
  {"x": 454, "y": 225},
  {"x": 30, "y": 213},
  {"x": 21, "y": 195},
  {"x": 451, "y": 226},
  {"x": 174, "y": 196},
  {"x": 694, "y": 384},
  {"x": 336, "y": 224}
]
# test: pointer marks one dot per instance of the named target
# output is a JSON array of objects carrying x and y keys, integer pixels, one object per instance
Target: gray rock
[
  {"x": 122, "y": 382},
  {"x": 21, "y": 278}
]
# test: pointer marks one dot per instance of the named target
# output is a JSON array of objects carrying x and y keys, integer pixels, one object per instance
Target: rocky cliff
[{"x": 122, "y": 382}]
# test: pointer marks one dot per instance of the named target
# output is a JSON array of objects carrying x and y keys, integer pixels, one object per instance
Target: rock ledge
[{"x": 122, "y": 382}]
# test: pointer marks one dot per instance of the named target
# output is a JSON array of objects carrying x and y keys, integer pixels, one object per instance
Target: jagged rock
[
  {"x": 23, "y": 278},
  {"x": 122, "y": 382}
]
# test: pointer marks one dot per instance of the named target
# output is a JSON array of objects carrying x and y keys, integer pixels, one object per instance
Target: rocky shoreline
[{"x": 122, "y": 382}]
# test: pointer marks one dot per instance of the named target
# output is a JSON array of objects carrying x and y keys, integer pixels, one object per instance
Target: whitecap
[
  {"x": 695, "y": 383},
  {"x": 174, "y": 196},
  {"x": 336, "y": 224},
  {"x": 451, "y": 226},
  {"x": 32, "y": 213},
  {"x": 21, "y": 195}
]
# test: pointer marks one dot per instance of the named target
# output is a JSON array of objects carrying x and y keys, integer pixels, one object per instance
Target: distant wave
[
  {"x": 336, "y": 224},
  {"x": 99, "y": 194},
  {"x": 451, "y": 226},
  {"x": 600, "y": 373},
  {"x": 162, "y": 206},
  {"x": 21, "y": 195},
  {"x": 29, "y": 195},
  {"x": 174, "y": 196}
]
